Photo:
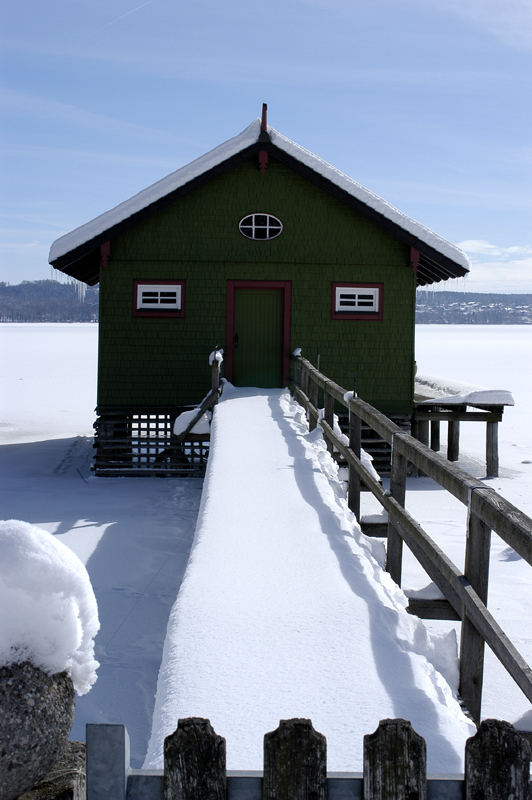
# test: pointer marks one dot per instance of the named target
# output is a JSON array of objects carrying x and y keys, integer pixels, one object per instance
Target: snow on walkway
[{"x": 284, "y": 611}]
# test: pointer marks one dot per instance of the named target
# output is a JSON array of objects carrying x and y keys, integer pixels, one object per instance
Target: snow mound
[
  {"x": 435, "y": 388},
  {"x": 48, "y": 612},
  {"x": 203, "y": 425}
]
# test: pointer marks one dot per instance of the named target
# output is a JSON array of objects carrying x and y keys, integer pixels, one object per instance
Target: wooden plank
[
  {"x": 380, "y": 423},
  {"x": 437, "y": 608},
  {"x": 375, "y": 529},
  {"x": 497, "y": 763},
  {"x": 459, "y": 416},
  {"x": 295, "y": 762},
  {"x": 511, "y": 524},
  {"x": 395, "y": 762},
  {"x": 194, "y": 762}
]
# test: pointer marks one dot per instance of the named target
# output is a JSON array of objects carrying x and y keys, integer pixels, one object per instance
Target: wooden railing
[
  {"x": 465, "y": 591},
  {"x": 497, "y": 766}
]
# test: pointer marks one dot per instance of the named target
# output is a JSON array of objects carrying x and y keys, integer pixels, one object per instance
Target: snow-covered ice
[{"x": 48, "y": 612}]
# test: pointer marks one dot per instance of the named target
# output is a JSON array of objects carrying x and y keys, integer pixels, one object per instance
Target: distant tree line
[
  {"x": 52, "y": 301},
  {"x": 470, "y": 308},
  {"x": 48, "y": 301}
]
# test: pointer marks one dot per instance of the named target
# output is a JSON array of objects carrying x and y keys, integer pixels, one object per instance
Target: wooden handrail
[{"x": 465, "y": 591}]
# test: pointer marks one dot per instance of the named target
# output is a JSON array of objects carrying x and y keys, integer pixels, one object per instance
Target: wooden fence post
[
  {"x": 295, "y": 762},
  {"x": 394, "y": 762},
  {"x": 394, "y": 550},
  {"x": 476, "y": 571},
  {"x": 353, "y": 492},
  {"x": 497, "y": 763},
  {"x": 194, "y": 762}
]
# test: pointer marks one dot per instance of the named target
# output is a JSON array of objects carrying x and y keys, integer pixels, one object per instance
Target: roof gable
[{"x": 74, "y": 253}]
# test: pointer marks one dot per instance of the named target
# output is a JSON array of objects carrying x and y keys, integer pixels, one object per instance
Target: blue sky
[{"x": 426, "y": 102}]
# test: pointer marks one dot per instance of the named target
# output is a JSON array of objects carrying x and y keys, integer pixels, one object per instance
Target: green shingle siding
[{"x": 196, "y": 239}]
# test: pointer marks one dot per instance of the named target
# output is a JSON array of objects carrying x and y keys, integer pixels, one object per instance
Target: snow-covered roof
[{"x": 72, "y": 246}]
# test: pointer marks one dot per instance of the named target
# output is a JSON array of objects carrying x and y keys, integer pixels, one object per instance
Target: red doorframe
[{"x": 286, "y": 287}]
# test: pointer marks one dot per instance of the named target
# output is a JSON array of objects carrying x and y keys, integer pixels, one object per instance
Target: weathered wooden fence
[
  {"x": 466, "y": 590},
  {"x": 497, "y": 766}
]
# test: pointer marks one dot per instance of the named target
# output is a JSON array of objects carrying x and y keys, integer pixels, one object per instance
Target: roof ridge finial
[{"x": 264, "y": 120}]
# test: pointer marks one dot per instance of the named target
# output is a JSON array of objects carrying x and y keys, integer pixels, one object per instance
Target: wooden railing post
[
  {"x": 313, "y": 390},
  {"x": 194, "y": 762},
  {"x": 476, "y": 571},
  {"x": 328, "y": 402},
  {"x": 215, "y": 375},
  {"x": 394, "y": 550},
  {"x": 497, "y": 763},
  {"x": 353, "y": 492},
  {"x": 295, "y": 762},
  {"x": 395, "y": 762}
]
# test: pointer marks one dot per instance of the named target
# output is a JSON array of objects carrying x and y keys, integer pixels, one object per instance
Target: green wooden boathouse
[{"x": 259, "y": 247}]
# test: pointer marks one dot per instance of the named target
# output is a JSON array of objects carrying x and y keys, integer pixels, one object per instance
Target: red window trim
[
  {"x": 361, "y": 315},
  {"x": 286, "y": 287},
  {"x": 144, "y": 312}
]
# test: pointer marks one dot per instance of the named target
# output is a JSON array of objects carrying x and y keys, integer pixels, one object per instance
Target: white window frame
[
  {"x": 357, "y": 301},
  {"x": 158, "y": 305},
  {"x": 161, "y": 303}
]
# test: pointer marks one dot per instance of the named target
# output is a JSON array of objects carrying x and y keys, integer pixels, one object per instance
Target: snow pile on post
[
  {"x": 48, "y": 612},
  {"x": 284, "y": 611}
]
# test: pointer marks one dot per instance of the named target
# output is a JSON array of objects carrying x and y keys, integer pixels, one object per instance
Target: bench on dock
[{"x": 433, "y": 406}]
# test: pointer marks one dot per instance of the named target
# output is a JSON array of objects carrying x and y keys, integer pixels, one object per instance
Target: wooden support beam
[
  {"x": 394, "y": 551},
  {"x": 492, "y": 450},
  {"x": 453, "y": 440},
  {"x": 476, "y": 571},
  {"x": 435, "y": 435},
  {"x": 374, "y": 528},
  {"x": 353, "y": 492},
  {"x": 438, "y": 608}
]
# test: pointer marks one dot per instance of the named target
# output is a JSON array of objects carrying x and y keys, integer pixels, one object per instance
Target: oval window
[{"x": 260, "y": 226}]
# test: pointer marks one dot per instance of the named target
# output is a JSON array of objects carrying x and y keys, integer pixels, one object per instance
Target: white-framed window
[
  {"x": 260, "y": 226},
  {"x": 158, "y": 298},
  {"x": 357, "y": 301}
]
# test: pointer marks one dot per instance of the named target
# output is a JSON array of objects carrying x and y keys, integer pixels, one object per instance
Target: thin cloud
[
  {"x": 508, "y": 20},
  {"x": 497, "y": 269}
]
